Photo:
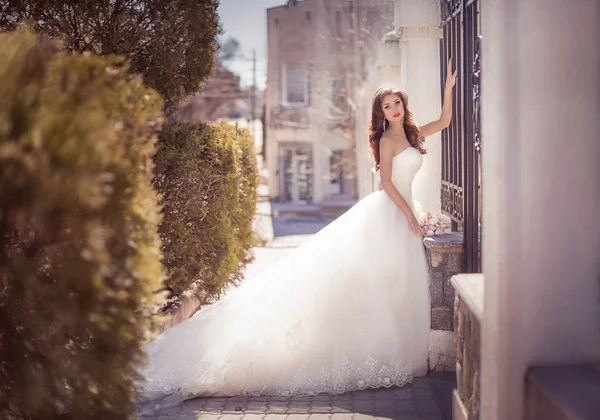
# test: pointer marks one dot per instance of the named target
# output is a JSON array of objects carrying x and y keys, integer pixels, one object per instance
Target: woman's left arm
[{"x": 444, "y": 121}]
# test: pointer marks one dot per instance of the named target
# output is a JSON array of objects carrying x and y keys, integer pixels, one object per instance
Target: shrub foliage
[
  {"x": 79, "y": 247},
  {"x": 208, "y": 178}
]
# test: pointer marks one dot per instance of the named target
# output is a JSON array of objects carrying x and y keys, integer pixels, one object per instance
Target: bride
[{"x": 347, "y": 310}]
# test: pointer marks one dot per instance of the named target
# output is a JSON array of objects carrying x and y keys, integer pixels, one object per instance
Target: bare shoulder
[
  {"x": 385, "y": 142},
  {"x": 386, "y": 146}
]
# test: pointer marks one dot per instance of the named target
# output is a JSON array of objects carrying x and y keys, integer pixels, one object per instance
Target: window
[
  {"x": 295, "y": 84},
  {"x": 373, "y": 17},
  {"x": 338, "y": 90}
]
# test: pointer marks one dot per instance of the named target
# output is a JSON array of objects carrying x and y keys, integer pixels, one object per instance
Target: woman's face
[{"x": 392, "y": 107}]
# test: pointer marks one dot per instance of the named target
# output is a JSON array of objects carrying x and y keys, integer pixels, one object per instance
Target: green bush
[
  {"x": 207, "y": 176},
  {"x": 80, "y": 253}
]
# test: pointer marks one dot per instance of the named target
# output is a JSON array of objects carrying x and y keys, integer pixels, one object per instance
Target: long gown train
[{"x": 347, "y": 310}]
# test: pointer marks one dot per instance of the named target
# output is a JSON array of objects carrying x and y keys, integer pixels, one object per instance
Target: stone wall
[
  {"x": 445, "y": 256},
  {"x": 468, "y": 314},
  {"x": 468, "y": 355}
]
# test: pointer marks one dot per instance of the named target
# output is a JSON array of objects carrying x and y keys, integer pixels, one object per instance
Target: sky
[{"x": 246, "y": 21}]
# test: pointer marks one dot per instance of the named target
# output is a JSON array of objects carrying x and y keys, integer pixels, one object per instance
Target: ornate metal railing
[{"x": 461, "y": 143}]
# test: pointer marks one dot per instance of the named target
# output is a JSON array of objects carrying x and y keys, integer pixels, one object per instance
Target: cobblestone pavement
[{"x": 427, "y": 398}]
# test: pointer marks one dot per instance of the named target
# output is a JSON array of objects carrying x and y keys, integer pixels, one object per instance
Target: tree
[
  {"x": 229, "y": 50},
  {"x": 222, "y": 87},
  {"x": 171, "y": 42}
]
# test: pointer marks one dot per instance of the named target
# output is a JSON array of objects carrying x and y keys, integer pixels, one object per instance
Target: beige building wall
[
  {"x": 541, "y": 193},
  {"x": 317, "y": 37}
]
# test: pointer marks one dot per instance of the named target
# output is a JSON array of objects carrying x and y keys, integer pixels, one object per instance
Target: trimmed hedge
[
  {"x": 80, "y": 253},
  {"x": 208, "y": 177}
]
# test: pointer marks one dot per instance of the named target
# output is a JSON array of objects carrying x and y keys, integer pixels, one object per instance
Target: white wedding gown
[{"x": 347, "y": 310}]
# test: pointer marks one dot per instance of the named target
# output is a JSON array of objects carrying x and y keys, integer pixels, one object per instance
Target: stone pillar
[
  {"x": 418, "y": 27},
  {"x": 389, "y": 59},
  {"x": 386, "y": 71},
  {"x": 541, "y": 192},
  {"x": 445, "y": 256}
]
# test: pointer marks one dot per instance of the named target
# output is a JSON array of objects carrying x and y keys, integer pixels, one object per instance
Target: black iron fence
[{"x": 461, "y": 143}]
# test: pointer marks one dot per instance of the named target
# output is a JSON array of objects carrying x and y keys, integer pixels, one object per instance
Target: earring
[
  {"x": 384, "y": 125},
  {"x": 402, "y": 120}
]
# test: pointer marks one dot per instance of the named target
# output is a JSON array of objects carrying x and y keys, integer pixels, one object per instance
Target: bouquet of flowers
[{"x": 437, "y": 224}]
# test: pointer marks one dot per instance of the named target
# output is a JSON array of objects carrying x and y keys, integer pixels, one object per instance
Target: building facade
[{"x": 318, "y": 53}]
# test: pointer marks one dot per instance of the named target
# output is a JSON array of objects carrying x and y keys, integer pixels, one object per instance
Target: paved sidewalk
[{"x": 427, "y": 399}]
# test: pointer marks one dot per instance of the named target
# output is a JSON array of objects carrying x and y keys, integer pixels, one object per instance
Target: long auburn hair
[{"x": 413, "y": 134}]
